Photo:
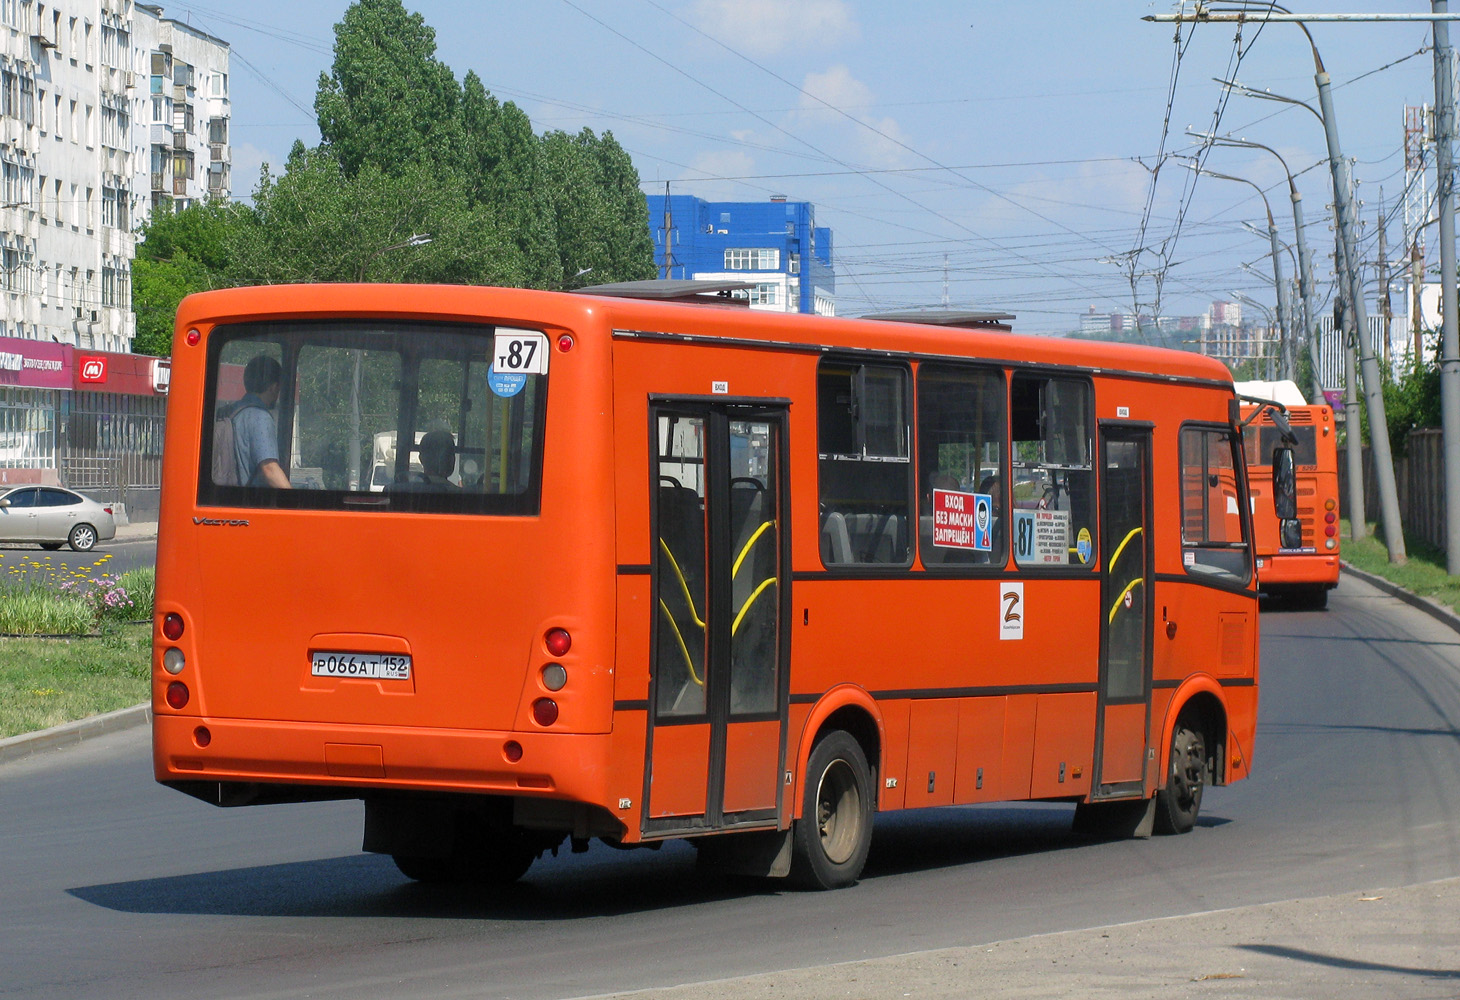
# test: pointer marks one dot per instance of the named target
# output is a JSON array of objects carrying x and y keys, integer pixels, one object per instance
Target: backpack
[
  {"x": 225, "y": 462},
  {"x": 225, "y": 459}
]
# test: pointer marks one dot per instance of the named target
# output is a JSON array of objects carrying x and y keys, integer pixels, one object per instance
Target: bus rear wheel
[
  {"x": 1179, "y": 800},
  {"x": 497, "y": 865},
  {"x": 834, "y": 832}
]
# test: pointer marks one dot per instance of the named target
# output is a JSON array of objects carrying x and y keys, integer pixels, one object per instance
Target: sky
[{"x": 980, "y": 154}]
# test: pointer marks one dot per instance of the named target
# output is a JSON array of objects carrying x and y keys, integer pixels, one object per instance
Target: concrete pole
[
  {"x": 1358, "y": 524},
  {"x": 1450, "y": 341},
  {"x": 1284, "y": 307},
  {"x": 1305, "y": 289},
  {"x": 1373, "y": 387}
]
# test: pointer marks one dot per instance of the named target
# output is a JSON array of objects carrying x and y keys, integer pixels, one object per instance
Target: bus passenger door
[
  {"x": 718, "y": 640},
  {"x": 1126, "y": 611}
]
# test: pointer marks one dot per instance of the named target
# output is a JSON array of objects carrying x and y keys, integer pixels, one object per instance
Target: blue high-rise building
[{"x": 775, "y": 244}]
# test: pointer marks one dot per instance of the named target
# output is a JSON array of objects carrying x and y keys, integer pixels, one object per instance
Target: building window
[
  {"x": 752, "y": 259},
  {"x": 218, "y": 131},
  {"x": 15, "y": 183}
]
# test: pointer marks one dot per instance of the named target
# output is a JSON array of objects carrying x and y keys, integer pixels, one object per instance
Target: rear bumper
[
  {"x": 568, "y": 767},
  {"x": 1286, "y": 570}
]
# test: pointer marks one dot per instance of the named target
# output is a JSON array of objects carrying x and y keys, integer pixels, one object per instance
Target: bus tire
[
  {"x": 834, "y": 833},
  {"x": 1179, "y": 800},
  {"x": 1313, "y": 598},
  {"x": 498, "y": 866}
]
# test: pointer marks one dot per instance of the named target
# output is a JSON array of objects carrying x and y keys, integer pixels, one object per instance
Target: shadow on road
[{"x": 600, "y": 882}]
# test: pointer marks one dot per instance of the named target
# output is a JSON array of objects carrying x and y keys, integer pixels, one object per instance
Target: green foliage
[
  {"x": 601, "y": 222},
  {"x": 1411, "y": 401},
  {"x": 317, "y": 223},
  {"x": 407, "y": 152},
  {"x": 388, "y": 102}
]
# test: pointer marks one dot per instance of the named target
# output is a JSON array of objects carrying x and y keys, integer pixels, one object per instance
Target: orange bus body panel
[{"x": 949, "y": 710}]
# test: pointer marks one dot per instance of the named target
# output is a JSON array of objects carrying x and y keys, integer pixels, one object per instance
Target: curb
[
  {"x": 70, "y": 733},
  {"x": 1433, "y": 608}
]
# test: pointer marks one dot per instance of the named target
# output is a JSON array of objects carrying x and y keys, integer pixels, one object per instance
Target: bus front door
[
  {"x": 1126, "y": 611},
  {"x": 717, "y": 720}
]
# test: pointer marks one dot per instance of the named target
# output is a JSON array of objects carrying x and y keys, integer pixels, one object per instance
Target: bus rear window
[
  {"x": 1261, "y": 439},
  {"x": 370, "y": 415}
]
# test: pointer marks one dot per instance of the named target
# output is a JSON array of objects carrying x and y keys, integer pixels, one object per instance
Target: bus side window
[
  {"x": 1053, "y": 475},
  {"x": 863, "y": 433},
  {"x": 962, "y": 428},
  {"x": 1213, "y": 540}
]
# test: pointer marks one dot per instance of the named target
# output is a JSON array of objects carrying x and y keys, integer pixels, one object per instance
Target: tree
[
  {"x": 178, "y": 253},
  {"x": 503, "y": 166},
  {"x": 601, "y": 224},
  {"x": 387, "y": 100},
  {"x": 315, "y": 223}
]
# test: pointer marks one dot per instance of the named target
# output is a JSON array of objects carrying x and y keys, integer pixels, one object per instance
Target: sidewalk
[{"x": 135, "y": 531}]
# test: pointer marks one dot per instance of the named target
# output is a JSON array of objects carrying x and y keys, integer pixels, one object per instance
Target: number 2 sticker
[{"x": 520, "y": 352}]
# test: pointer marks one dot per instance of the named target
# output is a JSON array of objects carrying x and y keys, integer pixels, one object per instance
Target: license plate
[{"x": 374, "y": 666}]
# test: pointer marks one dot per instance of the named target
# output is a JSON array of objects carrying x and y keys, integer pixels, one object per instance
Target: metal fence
[{"x": 1419, "y": 479}]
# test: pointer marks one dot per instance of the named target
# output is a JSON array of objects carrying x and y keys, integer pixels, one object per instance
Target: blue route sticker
[{"x": 505, "y": 383}]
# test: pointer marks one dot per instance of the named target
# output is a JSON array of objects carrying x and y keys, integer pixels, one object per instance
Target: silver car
[{"x": 51, "y": 517}]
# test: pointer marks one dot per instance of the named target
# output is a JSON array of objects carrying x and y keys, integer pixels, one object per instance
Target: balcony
[
  {"x": 180, "y": 141},
  {"x": 157, "y": 182},
  {"x": 180, "y": 187}
]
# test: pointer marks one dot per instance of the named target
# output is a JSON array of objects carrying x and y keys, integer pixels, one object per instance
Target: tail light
[
  {"x": 544, "y": 711},
  {"x": 172, "y": 626},
  {"x": 557, "y": 641},
  {"x": 177, "y": 695},
  {"x": 1330, "y": 530},
  {"x": 107, "y": 509}
]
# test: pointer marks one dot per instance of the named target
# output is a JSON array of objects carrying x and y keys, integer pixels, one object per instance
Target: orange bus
[
  {"x": 691, "y": 571},
  {"x": 1298, "y": 560}
]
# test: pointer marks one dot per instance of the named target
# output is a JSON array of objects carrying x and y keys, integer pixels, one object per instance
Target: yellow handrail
[
  {"x": 689, "y": 664},
  {"x": 1129, "y": 587},
  {"x": 745, "y": 550},
  {"x": 1121, "y": 547},
  {"x": 689, "y": 599},
  {"x": 749, "y": 601}
]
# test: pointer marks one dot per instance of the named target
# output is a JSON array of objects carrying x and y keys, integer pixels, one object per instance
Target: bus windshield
[
  {"x": 1262, "y": 439},
  {"x": 346, "y": 393}
]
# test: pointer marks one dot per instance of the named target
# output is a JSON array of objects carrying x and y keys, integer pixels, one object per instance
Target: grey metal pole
[
  {"x": 1284, "y": 308},
  {"x": 1373, "y": 386},
  {"x": 1305, "y": 289},
  {"x": 1450, "y": 334},
  {"x": 1357, "y": 522}
]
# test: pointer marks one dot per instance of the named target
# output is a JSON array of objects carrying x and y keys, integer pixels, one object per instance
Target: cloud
[
  {"x": 880, "y": 142},
  {"x": 765, "y": 27},
  {"x": 244, "y": 168},
  {"x": 722, "y": 163}
]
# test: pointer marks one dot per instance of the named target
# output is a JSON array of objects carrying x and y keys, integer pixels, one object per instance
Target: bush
[{"x": 141, "y": 587}]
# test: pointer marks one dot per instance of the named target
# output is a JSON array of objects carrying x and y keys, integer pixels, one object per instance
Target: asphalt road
[
  {"x": 114, "y": 557},
  {"x": 115, "y": 887}
]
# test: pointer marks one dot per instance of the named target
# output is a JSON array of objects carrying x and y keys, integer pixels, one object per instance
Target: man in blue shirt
[{"x": 255, "y": 441}]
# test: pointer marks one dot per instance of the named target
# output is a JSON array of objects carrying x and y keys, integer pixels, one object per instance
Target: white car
[{"x": 51, "y": 517}]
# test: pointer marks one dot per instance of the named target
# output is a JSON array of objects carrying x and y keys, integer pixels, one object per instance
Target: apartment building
[
  {"x": 775, "y": 244},
  {"x": 108, "y": 109}
]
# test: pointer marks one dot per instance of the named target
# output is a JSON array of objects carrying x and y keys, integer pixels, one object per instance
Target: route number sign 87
[{"x": 522, "y": 352}]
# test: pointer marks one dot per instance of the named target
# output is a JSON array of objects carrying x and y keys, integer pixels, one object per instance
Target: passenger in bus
[
  {"x": 255, "y": 440},
  {"x": 438, "y": 461}
]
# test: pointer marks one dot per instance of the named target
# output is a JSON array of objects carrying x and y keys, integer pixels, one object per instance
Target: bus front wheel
[
  {"x": 1179, "y": 799},
  {"x": 834, "y": 832}
]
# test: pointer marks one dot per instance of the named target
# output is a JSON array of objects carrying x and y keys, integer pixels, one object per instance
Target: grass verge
[
  {"x": 1424, "y": 574},
  {"x": 45, "y": 682}
]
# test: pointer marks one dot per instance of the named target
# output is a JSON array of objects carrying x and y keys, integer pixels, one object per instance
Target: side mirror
[
  {"x": 1290, "y": 534},
  {"x": 4, "y": 501},
  {"x": 1284, "y": 484}
]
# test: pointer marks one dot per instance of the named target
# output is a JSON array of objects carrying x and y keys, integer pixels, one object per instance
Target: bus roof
[{"x": 516, "y": 306}]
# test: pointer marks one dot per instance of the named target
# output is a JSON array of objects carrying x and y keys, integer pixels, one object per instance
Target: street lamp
[
  {"x": 1305, "y": 260},
  {"x": 1284, "y": 341}
]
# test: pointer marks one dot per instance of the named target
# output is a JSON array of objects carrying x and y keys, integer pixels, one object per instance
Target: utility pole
[
  {"x": 1358, "y": 525},
  {"x": 1343, "y": 210},
  {"x": 1373, "y": 386},
  {"x": 1386, "y": 307},
  {"x": 1450, "y": 340},
  {"x": 668, "y": 236}
]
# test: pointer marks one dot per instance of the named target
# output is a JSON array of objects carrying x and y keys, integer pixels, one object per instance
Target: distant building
[{"x": 775, "y": 244}]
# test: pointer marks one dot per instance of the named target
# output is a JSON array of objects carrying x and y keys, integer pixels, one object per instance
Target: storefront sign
[
  {"x": 34, "y": 363},
  {"x": 92, "y": 369}
]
